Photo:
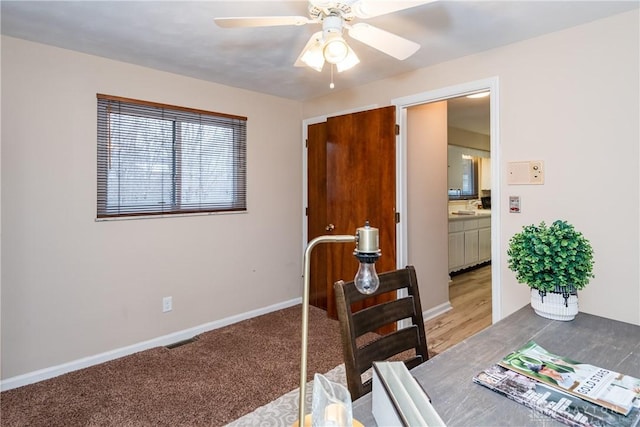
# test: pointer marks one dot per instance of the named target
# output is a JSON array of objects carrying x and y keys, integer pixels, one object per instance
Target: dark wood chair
[{"x": 362, "y": 342}]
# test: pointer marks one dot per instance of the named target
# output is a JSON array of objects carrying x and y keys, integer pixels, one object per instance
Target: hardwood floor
[{"x": 470, "y": 297}]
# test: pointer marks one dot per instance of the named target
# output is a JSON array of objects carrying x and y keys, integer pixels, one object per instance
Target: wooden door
[
  {"x": 317, "y": 211},
  {"x": 360, "y": 186}
]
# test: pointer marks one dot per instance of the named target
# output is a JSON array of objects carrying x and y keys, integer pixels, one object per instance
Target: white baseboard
[
  {"x": 54, "y": 371},
  {"x": 428, "y": 315},
  {"x": 436, "y": 311}
]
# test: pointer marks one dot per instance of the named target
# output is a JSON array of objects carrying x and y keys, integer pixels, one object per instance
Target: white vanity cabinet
[
  {"x": 469, "y": 242},
  {"x": 484, "y": 242},
  {"x": 456, "y": 245}
]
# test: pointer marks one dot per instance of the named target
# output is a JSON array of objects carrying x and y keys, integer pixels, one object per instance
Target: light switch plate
[
  {"x": 514, "y": 204},
  {"x": 525, "y": 173}
]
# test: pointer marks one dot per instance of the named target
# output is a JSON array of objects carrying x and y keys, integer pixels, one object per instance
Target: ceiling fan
[{"x": 335, "y": 16}]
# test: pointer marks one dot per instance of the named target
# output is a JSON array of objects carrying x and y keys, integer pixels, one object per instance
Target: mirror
[
  {"x": 468, "y": 171},
  {"x": 462, "y": 173},
  {"x": 468, "y": 150}
]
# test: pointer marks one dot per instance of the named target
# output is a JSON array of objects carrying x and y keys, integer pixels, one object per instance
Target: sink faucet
[{"x": 473, "y": 204}]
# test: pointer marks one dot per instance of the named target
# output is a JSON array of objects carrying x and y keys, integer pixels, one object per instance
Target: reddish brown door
[
  {"x": 360, "y": 186},
  {"x": 317, "y": 211}
]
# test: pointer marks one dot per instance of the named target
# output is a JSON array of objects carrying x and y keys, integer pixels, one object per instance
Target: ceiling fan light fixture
[
  {"x": 311, "y": 55},
  {"x": 313, "y": 58},
  {"x": 349, "y": 62},
  {"x": 335, "y": 49},
  {"x": 329, "y": 45}
]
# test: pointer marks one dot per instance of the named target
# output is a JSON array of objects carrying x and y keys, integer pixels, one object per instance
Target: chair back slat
[
  {"x": 373, "y": 318},
  {"x": 389, "y": 281},
  {"x": 387, "y": 346}
]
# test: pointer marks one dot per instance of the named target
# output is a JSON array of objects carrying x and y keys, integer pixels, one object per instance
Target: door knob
[{"x": 330, "y": 227}]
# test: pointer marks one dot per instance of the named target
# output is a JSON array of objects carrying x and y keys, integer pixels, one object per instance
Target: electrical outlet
[{"x": 167, "y": 304}]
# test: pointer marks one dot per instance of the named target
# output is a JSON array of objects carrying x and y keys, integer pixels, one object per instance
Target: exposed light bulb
[
  {"x": 366, "y": 280},
  {"x": 367, "y": 251},
  {"x": 331, "y": 85}
]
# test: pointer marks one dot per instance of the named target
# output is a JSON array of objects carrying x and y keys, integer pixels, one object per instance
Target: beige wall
[
  {"x": 73, "y": 287},
  {"x": 465, "y": 138},
  {"x": 427, "y": 201},
  {"x": 569, "y": 98}
]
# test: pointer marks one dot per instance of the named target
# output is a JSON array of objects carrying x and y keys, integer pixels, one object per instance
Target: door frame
[{"x": 491, "y": 84}]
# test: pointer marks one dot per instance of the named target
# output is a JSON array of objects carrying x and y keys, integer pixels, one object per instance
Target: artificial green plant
[{"x": 554, "y": 258}]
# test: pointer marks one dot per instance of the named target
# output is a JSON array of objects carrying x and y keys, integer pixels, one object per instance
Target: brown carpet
[{"x": 221, "y": 376}]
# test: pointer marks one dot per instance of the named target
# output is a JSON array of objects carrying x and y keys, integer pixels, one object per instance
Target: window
[{"x": 156, "y": 159}]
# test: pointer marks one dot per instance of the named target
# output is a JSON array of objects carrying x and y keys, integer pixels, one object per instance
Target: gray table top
[{"x": 447, "y": 377}]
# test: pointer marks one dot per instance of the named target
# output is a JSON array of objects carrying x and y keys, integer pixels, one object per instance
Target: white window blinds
[{"x": 156, "y": 159}]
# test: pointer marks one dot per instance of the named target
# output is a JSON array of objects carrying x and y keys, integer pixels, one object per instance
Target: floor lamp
[{"x": 366, "y": 280}]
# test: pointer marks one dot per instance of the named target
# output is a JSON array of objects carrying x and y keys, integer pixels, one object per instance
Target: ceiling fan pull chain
[{"x": 331, "y": 85}]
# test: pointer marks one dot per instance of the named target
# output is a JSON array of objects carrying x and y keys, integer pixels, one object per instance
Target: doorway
[{"x": 438, "y": 203}]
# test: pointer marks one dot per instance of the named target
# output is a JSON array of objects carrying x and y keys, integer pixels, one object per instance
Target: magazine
[
  {"x": 552, "y": 402},
  {"x": 606, "y": 388}
]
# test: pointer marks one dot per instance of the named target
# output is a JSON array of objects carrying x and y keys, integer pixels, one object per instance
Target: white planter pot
[{"x": 553, "y": 305}]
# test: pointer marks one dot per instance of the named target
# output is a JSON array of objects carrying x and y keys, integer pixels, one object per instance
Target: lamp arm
[{"x": 305, "y": 314}]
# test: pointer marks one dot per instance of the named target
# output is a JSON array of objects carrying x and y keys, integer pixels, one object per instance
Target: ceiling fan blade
[
  {"x": 386, "y": 42},
  {"x": 261, "y": 21},
  {"x": 371, "y": 8}
]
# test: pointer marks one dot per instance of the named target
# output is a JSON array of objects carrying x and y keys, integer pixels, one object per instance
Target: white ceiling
[{"x": 181, "y": 37}]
